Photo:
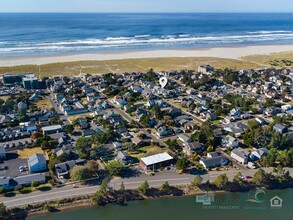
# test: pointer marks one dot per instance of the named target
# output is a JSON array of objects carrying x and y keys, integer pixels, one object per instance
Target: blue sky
[{"x": 146, "y": 6}]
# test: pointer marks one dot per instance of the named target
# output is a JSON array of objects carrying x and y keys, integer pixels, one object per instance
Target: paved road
[{"x": 129, "y": 183}]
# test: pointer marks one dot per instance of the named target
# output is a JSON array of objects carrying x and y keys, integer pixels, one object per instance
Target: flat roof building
[
  {"x": 156, "y": 161},
  {"x": 52, "y": 129}
]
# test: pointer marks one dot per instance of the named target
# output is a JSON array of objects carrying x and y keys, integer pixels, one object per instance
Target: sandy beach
[{"x": 220, "y": 52}]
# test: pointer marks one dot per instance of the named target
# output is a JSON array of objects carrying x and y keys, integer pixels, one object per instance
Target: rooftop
[
  {"x": 52, "y": 127},
  {"x": 157, "y": 158}
]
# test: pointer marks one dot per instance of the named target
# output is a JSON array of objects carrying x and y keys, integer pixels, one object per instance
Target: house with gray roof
[
  {"x": 214, "y": 161},
  {"x": 26, "y": 180},
  {"x": 5, "y": 183},
  {"x": 37, "y": 163},
  {"x": 280, "y": 128},
  {"x": 124, "y": 157},
  {"x": 258, "y": 154},
  {"x": 193, "y": 147},
  {"x": 230, "y": 142},
  {"x": 240, "y": 155},
  {"x": 184, "y": 138},
  {"x": 63, "y": 169}
]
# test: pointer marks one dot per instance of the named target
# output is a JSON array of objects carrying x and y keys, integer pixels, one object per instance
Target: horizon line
[{"x": 80, "y": 12}]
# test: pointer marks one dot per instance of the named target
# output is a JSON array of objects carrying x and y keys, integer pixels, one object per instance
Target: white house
[{"x": 230, "y": 142}]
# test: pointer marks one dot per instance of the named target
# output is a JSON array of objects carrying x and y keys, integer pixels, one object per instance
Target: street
[{"x": 157, "y": 180}]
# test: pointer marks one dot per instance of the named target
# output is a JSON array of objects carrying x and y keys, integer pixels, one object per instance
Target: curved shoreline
[{"x": 220, "y": 52}]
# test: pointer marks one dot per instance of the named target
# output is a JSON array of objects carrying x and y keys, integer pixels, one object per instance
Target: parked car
[{"x": 22, "y": 169}]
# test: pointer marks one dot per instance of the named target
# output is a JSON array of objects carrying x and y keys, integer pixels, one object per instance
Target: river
[{"x": 241, "y": 206}]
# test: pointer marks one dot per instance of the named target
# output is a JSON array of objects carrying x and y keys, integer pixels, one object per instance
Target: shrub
[
  {"x": 2, "y": 190},
  {"x": 35, "y": 183}
]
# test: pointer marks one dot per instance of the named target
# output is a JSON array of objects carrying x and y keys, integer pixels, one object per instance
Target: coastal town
[{"x": 70, "y": 133}]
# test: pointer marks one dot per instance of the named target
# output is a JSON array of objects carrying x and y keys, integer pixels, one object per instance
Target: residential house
[
  {"x": 137, "y": 141},
  {"x": 211, "y": 116},
  {"x": 240, "y": 155},
  {"x": 163, "y": 131},
  {"x": 258, "y": 154},
  {"x": 230, "y": 142},
  {"x": 124, "y": 157},
  {"x": 184, "y": 138},
  {"x": 26, "y": 180},
  {"x": 280, "y": 128},
  {"x": 214, "y": 161},
  {"x": 236, "y": 112},
  {"x": 136, "y": 89},
  {"x": 193, "y": 147},
  {"x": 22, "y": 105},
  {"x": 117, "y": 145},
  {"x": 63, "y": 169},
  {"x": 37, "y": 163},
  {"x": 5, "y": 183}
]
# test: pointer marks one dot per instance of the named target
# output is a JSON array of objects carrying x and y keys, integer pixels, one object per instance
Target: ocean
[{"x": 33, "y": 34}]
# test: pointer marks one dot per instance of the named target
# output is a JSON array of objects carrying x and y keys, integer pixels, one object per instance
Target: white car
[{"x": 21, "y": 168}]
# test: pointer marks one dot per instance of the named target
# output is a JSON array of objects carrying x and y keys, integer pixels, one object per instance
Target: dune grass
[
  {"x": 273, "y": 59},
  {"x": 127, "y": 65}
]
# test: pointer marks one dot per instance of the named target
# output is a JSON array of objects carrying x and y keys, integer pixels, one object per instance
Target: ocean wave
[
  {"x": 142, "y": 36},
  {"x": 167, "y": 39},
  {"x": 268, "y": 32},
  {"x": 184, "y": 35},
  {"x": 141, "y": 41}
]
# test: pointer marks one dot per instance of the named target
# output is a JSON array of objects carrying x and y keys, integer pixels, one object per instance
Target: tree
[
  {"x": 79, "y": 173},
  {"x": 2, "y": 190},
  {"x": 3, "y": 211},
  {"x": 82, "y": 146},
  {"x": 144, "y": 120},
  {"x": 238, "y": 179},
  {"x": 196, "y": 181},
  {"x": 181, "y": 163},
  {"x": 99, "y": 195},
  {"x": 210, "y": 148},
  {"x": 104, "y": 185},
  {"x": 49, "y": 208},
  {"x": 35, "y": 183},
  {"x": 45, "y": 145},
  {"x": 36, "y": 135},
  {"x": 51, "y": 164},
  {"x": 55, "y": 120},
  {"x": 166, "y": 187},
  {"x": 122, "y": 187},
  {"x": 261, "y": 178},
  {"x": 144, "y": 188},
  {"x": 69, "y": 129},
  {"x": 114, "y": 167},
  {"x": 221, "y": 181},
  {"x": 93, "y": 165}
]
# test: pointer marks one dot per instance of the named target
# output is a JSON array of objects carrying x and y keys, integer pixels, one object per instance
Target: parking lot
[{"x": 13, "y": 162}]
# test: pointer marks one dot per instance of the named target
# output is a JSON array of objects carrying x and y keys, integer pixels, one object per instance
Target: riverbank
[
  {"x": 73, "y": 203},
  {"x": 225, "y": 206}
]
